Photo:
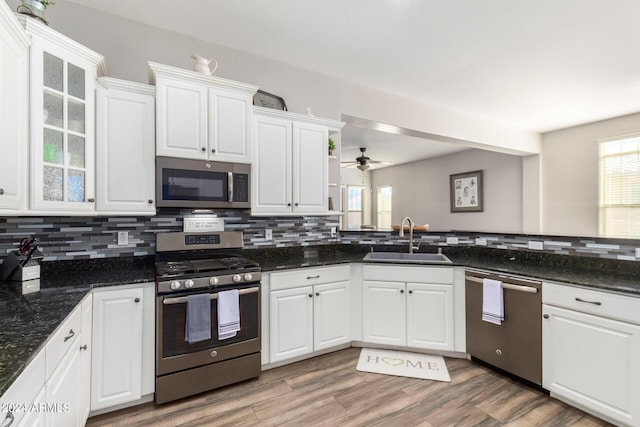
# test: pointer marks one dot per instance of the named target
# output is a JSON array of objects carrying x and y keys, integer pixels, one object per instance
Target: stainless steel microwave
[{"x": 185, "y": 183}]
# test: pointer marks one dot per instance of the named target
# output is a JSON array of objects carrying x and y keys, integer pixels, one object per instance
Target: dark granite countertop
[
  {"x": 598, "y": 273},
  {"x": 26, "y": 321}
]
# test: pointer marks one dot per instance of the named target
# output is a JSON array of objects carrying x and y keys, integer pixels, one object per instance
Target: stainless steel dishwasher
[{"x": 515, "y": 346}]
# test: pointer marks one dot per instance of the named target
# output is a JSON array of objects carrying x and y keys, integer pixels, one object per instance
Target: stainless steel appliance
[
  {"x": 186, "y": 183},
  {"x": 203, "y": 263},
  {"x": 515, "y": 346}
]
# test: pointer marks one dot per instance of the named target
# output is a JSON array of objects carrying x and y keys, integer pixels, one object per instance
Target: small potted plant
[
  {"x": 332, "y": 146},
  {"x": 34, "y": 8}
]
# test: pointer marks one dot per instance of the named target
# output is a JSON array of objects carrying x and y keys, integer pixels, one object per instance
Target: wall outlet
[
  {"x": 123, "y": 238},
  {"x": 637, "y": 252},
  {"x": 333, "y": 232},
  {"x": 452, "y": 240},
  {"x": 537, "y": 246},
  {"x": 268, "y": 234},
  {"x": 481, "y": 242}
]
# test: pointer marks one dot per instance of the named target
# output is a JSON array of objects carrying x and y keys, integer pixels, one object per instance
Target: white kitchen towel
[
  {"x": 198, "y": 324},
  {"x": 228, "y": 314},
  {"x": 492, "y": 301}
]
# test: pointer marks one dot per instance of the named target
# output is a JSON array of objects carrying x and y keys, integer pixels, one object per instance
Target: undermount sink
[{"x": 423, "y": 258}]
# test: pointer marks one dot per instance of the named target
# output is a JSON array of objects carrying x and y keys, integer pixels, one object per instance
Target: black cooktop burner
[{"x": 211, "y": 266}]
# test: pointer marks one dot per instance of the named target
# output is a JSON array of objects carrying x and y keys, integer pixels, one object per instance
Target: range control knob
[
  {"x": 213, "y": 281},
  {"x": 248, "y": 277},
  {"x": 188, "y": 283},
  {"x": 175, "y": 285},
  {"x": 236, "y": 278}
]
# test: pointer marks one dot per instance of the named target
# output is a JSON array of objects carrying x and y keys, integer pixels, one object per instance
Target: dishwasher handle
[{"x": 506, "y": 285}]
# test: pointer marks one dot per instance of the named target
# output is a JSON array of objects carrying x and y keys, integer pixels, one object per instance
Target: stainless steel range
[{"x": 195, "y": 272}]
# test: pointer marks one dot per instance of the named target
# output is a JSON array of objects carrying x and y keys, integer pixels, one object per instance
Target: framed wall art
[{"x": 466, "y": 192}]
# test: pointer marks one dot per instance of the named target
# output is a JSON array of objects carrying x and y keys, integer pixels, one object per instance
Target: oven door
[{"x": 174, "y": 353}]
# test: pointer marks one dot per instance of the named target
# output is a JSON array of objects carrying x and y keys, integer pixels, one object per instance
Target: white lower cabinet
[
  {"x": 408, "y": 306},
  {"x": 590, "y": 355},
  {"x": 63, "y": 392},
  {"x": 304, "y": 319},
  {"x": 68, "y": 383},
  {"x": 36, "y": 417},
  {"x": 117, "y": 347}
]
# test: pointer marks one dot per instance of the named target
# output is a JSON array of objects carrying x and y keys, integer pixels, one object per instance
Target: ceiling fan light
[{"x": 363, "y": 167}]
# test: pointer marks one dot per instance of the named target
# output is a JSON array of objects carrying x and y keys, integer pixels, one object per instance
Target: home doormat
[{"x": 403, "y": 364}]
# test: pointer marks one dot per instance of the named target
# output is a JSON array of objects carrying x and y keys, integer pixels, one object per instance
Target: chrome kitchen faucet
[{"x": 410, "y": 221}]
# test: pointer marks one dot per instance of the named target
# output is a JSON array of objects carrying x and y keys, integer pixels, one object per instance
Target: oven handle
[
  {"x": 182, "y": 300},
  {"x": 521, "y": 288},
  {"x": 230, "y": 182}
]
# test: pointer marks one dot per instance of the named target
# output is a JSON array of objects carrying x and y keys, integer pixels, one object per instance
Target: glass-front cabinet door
[{"x": 63, "y": 76}]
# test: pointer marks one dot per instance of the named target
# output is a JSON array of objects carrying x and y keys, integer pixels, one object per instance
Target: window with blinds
[
  {"x": 384, "y": 207},
  {"x": 620, "y": 187}
]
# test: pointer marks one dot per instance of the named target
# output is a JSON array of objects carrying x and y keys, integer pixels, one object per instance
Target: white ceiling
[
  {"x": 535, "y": 64},
  {"x": 390, "y": 148}
]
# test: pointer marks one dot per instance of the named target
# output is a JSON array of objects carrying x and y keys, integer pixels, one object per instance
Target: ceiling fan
[{"x": 363, "y": 162}]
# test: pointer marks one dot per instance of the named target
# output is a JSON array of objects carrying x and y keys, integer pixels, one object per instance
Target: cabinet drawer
[
  {"x": 24, "y": 389},
  {"x": 394, "y": 273},
  {"x": 614, "y": 306},
  {"x": 309, "y": 277},
  {"x": 63, "y": 339}
]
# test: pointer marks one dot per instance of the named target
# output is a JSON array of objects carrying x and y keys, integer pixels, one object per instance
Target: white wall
[
  {"x": 421, "y": 191},
  {"x": 570, "y": 175},
  {"x": 127, "y": 46}
]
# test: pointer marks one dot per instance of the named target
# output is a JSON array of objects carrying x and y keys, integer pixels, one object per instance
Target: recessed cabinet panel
[
  {"x": 384, "y": 313},
  {"x": 229, "y": 126},
  {"x": 272, "y": 168},
  {"x": 291, "y": 323},
  {"x": 181, "y": 121},
  {"x": 117, "y": 347},
  {"x": 310, "y": 168},
  {"x": 125, "y": 137}
]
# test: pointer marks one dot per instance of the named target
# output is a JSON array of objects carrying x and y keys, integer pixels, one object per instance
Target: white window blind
[
  {"x": 620, "y": 187},
  {"x": 384, "y": 207}
]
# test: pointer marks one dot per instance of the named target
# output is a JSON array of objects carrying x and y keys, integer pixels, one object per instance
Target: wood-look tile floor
[{"x": 328, "y": 391}]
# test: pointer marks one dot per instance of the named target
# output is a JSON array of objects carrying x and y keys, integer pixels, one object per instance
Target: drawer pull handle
[
  {"x": 10, "y": 418},
  {"x": 84, "y": 347},
  {"x": 313, "y": 277},
  {"x": 68, "y": 337},
  {"x": 588, "y": 302}
]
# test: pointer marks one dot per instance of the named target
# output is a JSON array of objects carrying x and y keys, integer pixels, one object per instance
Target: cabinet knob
[
  {"x": 136, "y": 300},
  {"x": 84, "y": 347},
  {"x": 91, "y": 200},
  {"x": 310, "y": 295},
  {"x": 402, "y": 291},
  {"x": 1, "y": 191},
  {"x": 288, "y": 204},
  {"x": 203, "y": 149},
  {"x": 546, "y": 316},
  {"x": 317, "y": 294},
  {"x": 296, "y": 204},
  {"x": 150, "y": 201},
  {"x": 213, "y": 150},
  {"x": 410, "y": 291}
]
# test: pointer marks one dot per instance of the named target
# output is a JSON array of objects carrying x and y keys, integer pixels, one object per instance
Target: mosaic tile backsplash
[{"x": 64, "y": 238}]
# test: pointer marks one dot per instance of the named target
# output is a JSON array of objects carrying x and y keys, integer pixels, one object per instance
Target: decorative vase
[{"x": 32, "y": 8}]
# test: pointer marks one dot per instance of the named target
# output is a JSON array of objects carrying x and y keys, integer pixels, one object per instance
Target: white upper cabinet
[
  {"x": 201, "y": 117},
  {"x": 62, "y": 103},
  {"x": 290, "y": 168},
  {"x": 14, "y": 110},
  {"x": 125, "y": 147}
]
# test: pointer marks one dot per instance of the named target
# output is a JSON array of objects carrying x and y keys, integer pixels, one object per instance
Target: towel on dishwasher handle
[
  {"x": 198, "y": 324},
  {"x": 492, "y": 301},
  {"x": 228, "y": 314}
]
